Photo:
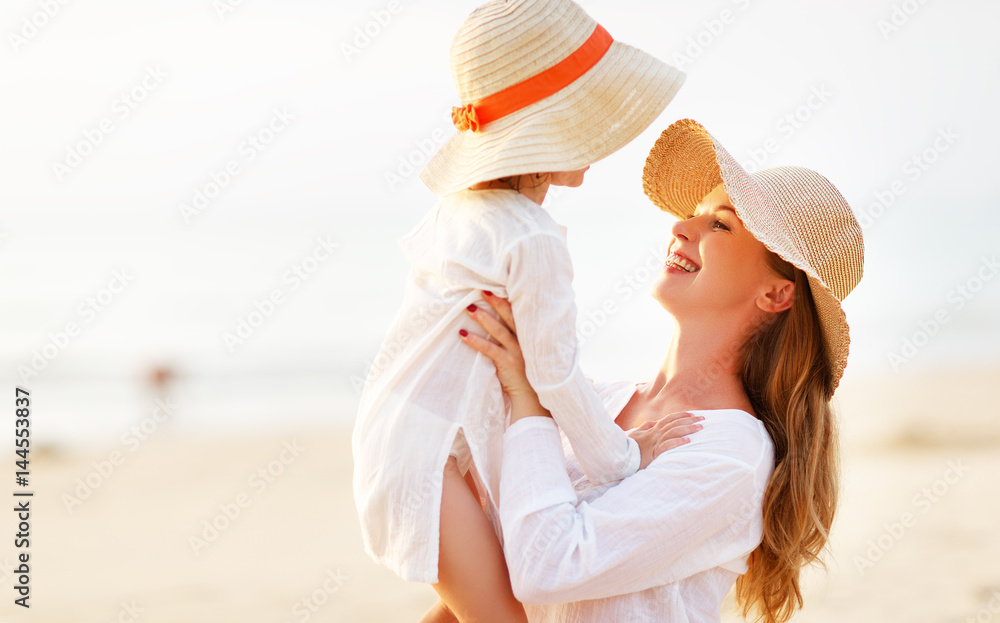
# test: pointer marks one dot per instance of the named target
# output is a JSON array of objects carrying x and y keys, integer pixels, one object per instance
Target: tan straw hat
[
  {"x": 543, "y": 88},
  {"x": 795, "y": 212}
]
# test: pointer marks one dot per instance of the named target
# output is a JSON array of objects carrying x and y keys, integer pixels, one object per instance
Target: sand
[{"x": 916, "y": 539}]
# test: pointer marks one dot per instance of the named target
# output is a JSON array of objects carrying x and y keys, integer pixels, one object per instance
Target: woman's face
[{"x": 716, "y": 266}]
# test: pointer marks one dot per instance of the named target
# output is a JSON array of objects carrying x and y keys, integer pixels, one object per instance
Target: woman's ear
[{"x": 778, "y": 297}]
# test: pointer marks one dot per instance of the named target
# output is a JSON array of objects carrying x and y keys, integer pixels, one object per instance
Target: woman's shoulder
[{"x": 735, "y": 434}]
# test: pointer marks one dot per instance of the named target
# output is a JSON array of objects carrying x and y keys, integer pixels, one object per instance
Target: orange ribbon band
[{"x": 536, "y": 88}]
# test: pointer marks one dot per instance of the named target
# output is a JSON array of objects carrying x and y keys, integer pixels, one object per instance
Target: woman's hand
[
  {"x": 506, "y": 356},
  {"x": 657, "y": 436}
]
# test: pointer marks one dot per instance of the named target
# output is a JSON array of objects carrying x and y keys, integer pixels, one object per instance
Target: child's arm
[
  {"x": 541, "y": 295},
  {"x": 654, "y": 437}
]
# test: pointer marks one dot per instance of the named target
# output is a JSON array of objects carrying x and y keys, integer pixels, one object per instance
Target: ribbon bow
[{"x": 465, "y": 118}]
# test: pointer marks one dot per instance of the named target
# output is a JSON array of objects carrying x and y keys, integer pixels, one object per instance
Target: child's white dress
[{"x": 426, "y": 386}]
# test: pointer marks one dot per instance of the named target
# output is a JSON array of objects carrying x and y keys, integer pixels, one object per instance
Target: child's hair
[
  {"x": 516, "y": 182},
  {"x": 787, "y": 378}
]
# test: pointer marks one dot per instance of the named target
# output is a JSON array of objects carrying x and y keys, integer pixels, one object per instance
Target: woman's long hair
[{"x": 787, "y": 379}]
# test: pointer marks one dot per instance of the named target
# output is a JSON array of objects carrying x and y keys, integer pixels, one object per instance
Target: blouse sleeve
[
  {"x": 541, "y": 295},
  {"x": 694, "y": 508}
]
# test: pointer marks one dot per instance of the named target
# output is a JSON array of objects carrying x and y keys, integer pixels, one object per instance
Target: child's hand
[
  {"x": 656, "y": 437},
  {"x": 506, "y": 355}
]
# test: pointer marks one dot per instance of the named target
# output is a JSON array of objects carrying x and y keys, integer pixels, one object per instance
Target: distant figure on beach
[{"x": 160, "y": 378}]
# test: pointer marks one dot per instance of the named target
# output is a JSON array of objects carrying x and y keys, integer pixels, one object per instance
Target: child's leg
[
  {"x": 438, "y": 613},
  {"x": 472, "y": 572}
]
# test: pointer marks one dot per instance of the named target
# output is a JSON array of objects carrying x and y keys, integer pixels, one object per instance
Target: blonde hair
[{"x": 788, "y": 381}]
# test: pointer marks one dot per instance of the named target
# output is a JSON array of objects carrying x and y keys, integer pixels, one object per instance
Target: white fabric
[
  {"x": 425, "y": 384},
  {"x": 665, "y": 544}
]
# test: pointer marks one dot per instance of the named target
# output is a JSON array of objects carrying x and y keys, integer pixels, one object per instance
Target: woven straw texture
[
  {"x": 794, "y": 211},
  {"x": 506, "y": 42}
]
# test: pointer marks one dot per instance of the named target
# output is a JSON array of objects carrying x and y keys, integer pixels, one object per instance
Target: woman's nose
[{"x": 682, "y": 230}]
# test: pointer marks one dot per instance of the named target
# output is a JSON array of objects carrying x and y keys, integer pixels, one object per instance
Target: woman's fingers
[
  {"x": 506, "y": 357},
  {"x": 503, "y": 309},
  {"x": 494, "y": 351},
  {"x": 495, "y": 328}
]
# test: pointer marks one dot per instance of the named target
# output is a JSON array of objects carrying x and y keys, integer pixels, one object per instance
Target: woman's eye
[{"x": 719, "y": 224}]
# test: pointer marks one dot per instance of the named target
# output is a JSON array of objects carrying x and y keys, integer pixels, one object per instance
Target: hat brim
[
  {"x": 588, "y": 120},
  {"x": 687, "y": 163}
]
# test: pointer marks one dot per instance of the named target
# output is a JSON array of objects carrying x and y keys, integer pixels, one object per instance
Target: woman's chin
[
  {"x": 662, "y": 295},
  {"x": 676, "y": 299}
]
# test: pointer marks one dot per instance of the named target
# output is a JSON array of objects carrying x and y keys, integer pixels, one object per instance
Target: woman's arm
[
  {"x": 695, "y": 508},
  {"x": 653, "y": 438}
]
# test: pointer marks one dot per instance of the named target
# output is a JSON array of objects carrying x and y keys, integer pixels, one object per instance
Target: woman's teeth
[{"x": 679, "y": 262}]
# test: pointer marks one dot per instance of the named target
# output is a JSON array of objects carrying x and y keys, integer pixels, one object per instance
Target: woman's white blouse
[
  {"x": 425, "y": 387},
  {"x": 665, "y": 544}
]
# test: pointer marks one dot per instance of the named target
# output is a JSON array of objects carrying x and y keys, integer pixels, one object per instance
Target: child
[{"x": 546, "y": 92}]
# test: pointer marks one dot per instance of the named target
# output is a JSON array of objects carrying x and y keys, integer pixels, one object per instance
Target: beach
[
  {"x": 262, "y": 527},
  {"x": 199, "y": 251}
]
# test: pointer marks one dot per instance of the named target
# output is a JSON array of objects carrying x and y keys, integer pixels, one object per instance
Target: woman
[{"x": 757, "y": 268}]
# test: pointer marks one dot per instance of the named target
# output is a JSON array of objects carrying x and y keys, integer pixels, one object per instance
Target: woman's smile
[{"x": 677, "y": 263}]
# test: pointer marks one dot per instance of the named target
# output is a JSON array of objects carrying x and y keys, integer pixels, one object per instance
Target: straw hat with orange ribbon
[
  {"x": 543, "y": 88},
  {"x": 796, "y": 212}
]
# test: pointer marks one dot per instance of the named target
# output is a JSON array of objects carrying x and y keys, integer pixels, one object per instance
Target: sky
[{"x": 171, "y": 173}]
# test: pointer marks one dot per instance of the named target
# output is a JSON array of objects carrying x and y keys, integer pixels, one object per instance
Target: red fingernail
[
  {"x": 487, "y": 293},
  {"x": 472, "y": 307},
  {"x": 463, "y": 333}
]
